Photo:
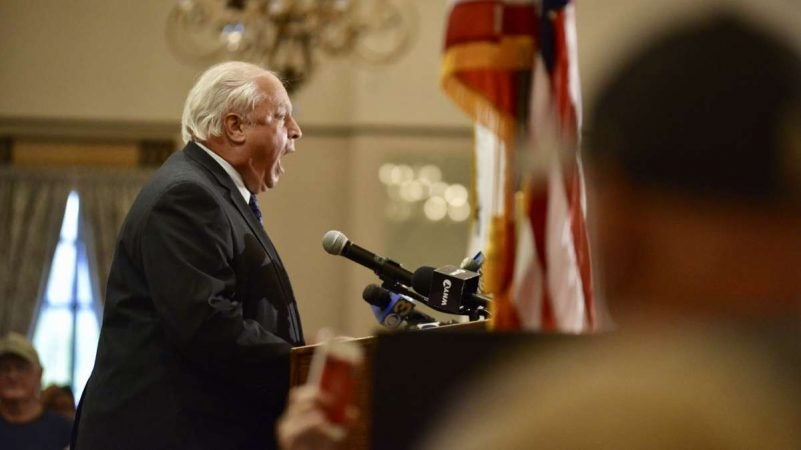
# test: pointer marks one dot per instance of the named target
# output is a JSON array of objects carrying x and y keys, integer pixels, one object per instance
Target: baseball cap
[{"x": 16, "y": 344}]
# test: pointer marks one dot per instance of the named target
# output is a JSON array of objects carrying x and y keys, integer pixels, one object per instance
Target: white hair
[{"x": 223, "y": 88}]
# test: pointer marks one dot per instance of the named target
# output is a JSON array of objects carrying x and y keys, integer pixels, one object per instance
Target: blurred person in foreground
[
  {"x": 25, "y": 424},
  {"x": 690, "y": 386},
  {"x": 199, "y": 314},
  {"x": 304, "y": 425},
  {"x": 695, "y": 166},
  {"x": 321, "y": 413}
]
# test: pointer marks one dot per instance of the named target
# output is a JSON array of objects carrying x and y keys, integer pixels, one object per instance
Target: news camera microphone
[
  {"x": 392, "y": 309},
  {"x": 449, "y": 288},
  {"x": 336, "y": 243},
  {"x": 473, "y": 264}
]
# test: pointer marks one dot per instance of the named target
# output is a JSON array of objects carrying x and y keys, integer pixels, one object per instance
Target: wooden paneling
[{"x": 41, "y": 154}]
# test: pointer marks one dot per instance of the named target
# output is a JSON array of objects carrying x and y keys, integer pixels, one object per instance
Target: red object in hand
[{"x": 333, "y": 370}]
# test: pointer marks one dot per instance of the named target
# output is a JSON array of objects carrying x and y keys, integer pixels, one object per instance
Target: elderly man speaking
[{"x": 200, "y": 315}]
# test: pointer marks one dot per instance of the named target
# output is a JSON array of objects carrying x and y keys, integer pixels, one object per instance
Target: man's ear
[{"x": 234, "y": 128}]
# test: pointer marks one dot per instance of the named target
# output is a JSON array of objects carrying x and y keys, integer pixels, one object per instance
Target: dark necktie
[{"x": 254, "y": 206}]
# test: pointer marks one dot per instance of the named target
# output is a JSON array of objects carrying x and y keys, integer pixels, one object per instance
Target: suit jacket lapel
[{"x": 199, "y": 155}]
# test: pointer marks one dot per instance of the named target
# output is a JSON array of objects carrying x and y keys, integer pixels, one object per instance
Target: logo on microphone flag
[{"x": 511, "y": 66}]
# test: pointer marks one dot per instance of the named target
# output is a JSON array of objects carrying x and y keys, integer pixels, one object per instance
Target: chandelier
[{"x": 286, "y": 35}]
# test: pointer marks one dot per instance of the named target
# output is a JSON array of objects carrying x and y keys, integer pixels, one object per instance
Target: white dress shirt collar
[{"x": 229, "y": 169}]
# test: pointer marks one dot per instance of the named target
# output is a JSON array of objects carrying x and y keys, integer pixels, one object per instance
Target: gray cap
[{"x": 16, "y": 344}]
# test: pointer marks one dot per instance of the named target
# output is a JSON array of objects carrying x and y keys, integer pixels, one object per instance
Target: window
[{"x": 66, "y": 329}]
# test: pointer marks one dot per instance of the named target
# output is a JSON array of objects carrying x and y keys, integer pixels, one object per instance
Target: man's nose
[{"x": 294, "y": 130}]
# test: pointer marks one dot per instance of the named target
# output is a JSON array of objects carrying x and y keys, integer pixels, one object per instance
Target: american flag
[{"x": 511, "y": 66}]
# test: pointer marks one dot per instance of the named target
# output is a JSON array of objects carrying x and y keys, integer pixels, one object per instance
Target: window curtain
[
  {"x": 32, "y": 206},
  {"x": 32, "y": 202},
  {"x": 106, "y": 196}
]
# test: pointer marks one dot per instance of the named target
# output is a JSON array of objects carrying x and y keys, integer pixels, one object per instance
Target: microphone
[
  {"x": 473, "y": 264},
  {"x": 336, "y": 243},
  {"x": 449, "y": 288},
  {"x": 392, "y": 309}
]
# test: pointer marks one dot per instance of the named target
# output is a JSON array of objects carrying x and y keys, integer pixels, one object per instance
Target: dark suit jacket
[{"x": 198, "y": 323}]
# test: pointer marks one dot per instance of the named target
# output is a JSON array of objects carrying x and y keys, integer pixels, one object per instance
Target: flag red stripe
[
  {"x": 581, "y": 242},
  {"x": 565, "y": 109},
  {"x": 538, "y": 209}
]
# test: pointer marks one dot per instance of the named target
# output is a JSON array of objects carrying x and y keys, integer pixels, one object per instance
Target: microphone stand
[
  {"x": 478, "y": 314},
  {"x": 474, "y": 314},
  {"x": 398, "y": 288}
]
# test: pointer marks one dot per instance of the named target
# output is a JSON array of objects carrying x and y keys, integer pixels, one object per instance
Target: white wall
[{"x": 109, "y": 59}]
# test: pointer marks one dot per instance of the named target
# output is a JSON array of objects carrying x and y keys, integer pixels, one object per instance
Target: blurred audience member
[
  {"x": 672, "y": 387},
  {"x": 24, "y": 422},
  {"x": 59, "y": 399},
  {"x": 304, "y": 425},
  {"x": 695, "y": 165}
]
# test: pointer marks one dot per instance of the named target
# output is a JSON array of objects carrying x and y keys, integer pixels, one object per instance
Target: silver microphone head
[{"x": 334, "y": 242}]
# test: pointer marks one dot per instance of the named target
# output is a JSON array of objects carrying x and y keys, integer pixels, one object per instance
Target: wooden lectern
[{"x": 359, "y": 439}]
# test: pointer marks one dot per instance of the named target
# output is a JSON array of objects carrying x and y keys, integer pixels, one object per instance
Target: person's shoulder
[
  {"x": 180, "y": 176},
  {"x": 56, "y": 427},
  {"x": 55, "y": 421},
  {"x": 181, "y": 166}
]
